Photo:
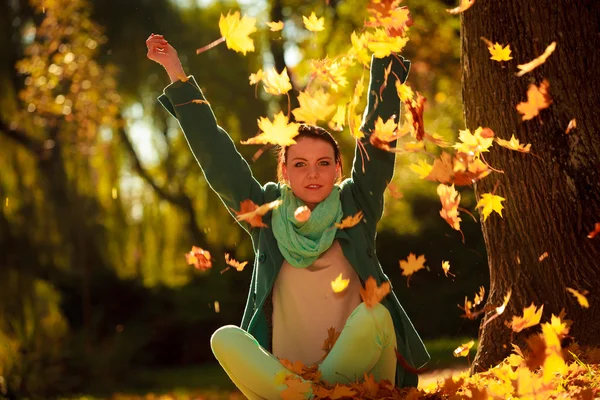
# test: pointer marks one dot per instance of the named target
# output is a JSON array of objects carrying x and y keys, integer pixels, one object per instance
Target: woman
[{"x": 291, "y": 304}]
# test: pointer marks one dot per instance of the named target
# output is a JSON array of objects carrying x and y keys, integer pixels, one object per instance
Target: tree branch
[{"x": 33, "y": 145}]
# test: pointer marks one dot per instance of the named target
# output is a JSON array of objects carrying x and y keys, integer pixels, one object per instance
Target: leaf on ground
[
  {"x": 372, "y": 294},
  {"x": 297, "y": 389}
]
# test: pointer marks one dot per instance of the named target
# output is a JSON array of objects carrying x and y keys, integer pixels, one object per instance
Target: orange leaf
[
  {"x": 239, "y": 266},
  {"x": 297, "y": 389},
  {"x": 596, "y": 231},
  {"x": 463, "y": 349},
  {"x": 530, "y": 66},
  {"x": 341, "y": 391},
  {"x": 373, "y": 294},
  {"x": 252, "y": 214},
  {"x": 531, "y": 316},
  {"x": 370, "y": 385},
  {"x": 415, "y": 115},
  {"x": 513, "y": 144},
  {"x": 412, "y": 265},
  {"x": 572, "y": 125},
  {"x": 199, "y": 258},
  {"x": 538, "y": 98},
  {"x": 580, "y": 296},
  {"x": 332, "y": 337},
  {"x": 450, "y": 199},
  {"x": 463, "y": 6},
  {"x": 446, "y": 268},
  {"x": 350, "y": 221}
]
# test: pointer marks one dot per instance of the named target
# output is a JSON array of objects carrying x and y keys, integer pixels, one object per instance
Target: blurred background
[{"x": 101, "y": 197}]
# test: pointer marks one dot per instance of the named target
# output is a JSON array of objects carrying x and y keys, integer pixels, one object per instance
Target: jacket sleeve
[
  {"x": 226, "y": 171},
  {"x": 371, "y": 172}
]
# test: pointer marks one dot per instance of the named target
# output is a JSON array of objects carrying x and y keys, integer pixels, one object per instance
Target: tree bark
[{"x": 553, "y": 195}]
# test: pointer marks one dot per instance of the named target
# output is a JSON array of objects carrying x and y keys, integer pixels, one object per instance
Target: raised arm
[
  {"x": 226, "y": 171},
  {"x": 372, "y": 172}
]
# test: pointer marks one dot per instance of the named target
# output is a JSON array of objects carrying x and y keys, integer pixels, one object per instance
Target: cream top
[{"x": 305, "y": 305}]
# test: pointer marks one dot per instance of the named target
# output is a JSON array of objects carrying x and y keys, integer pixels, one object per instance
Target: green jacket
[{"x": 230, "y": 177}]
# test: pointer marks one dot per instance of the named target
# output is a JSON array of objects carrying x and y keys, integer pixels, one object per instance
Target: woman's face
[{"x": 311, "y": 170}]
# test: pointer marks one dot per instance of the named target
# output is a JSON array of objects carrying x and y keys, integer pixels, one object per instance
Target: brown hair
[{"x": 315, "y": 132}]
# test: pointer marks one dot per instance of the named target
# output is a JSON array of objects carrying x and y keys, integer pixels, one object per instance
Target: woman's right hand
[{"x": 160, "y": 51}]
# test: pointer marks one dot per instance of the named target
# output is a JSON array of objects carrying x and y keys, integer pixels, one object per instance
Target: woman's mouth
[{"x": 313, "y": 187}]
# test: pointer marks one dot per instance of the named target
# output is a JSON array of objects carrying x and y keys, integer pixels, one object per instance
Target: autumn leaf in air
[
  {"x": 276, "y": 83},
  {"x": 513, "y": 144},
  {"x": 463, "y": 349},
  {"x": 530, "y": 66},
  {"x": 314, "y": 107},
  {"x": 236, "y": 31},
  {"x": 595, "y": 232},
  {"x": 372, "y": 294},
  {"x": 463, "y": 6},
  {"x": 404, "y": 92},
  {"x": 490, "y": 202},
  {"x": 388, "y": 15},
  {"x": 414, "y": 114},
  {"x": 581, "y": 299},
  {"x": 500, "y": 53},
  {"x": 339, "y": 284},
  {"x": 531, "y": 317},
  {"x": 359, "y": 49},
  {"x": 252, "y": 213},
  {"x": 350, "y": 221},
  {"x": 313, "y": 23},
  {"x": 411, "y": 265},
  {"x": 473, "y": 143},
  {"x": 257, "y": 77},
  {"x": 538, "y": 98},
  {"x": 331, "y": 71},
  {"x": 278, "y": 132},
  {"x": 450, "y": 199},
  {"x": 275, "y": 26},
  {"x": 382, "y": 44},
  {"x": 572, "y": 125},
  {"x": 422, "y": 168},
  {"x": 338, "y": 121},
  {"x": 199, "y": 258},
  {"x": 446, "y": 268},
  {"x": 239, "y": 266}
]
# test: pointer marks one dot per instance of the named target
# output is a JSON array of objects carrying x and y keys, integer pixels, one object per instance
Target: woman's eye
[
  {"x": 324, "y": 162},
  {"x": 299, "y": 164}
]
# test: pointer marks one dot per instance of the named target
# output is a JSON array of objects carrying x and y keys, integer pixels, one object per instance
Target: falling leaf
[
  {"x": 543, "y": 256},
  {"x": 331, "y": 71},
  {"x": 302, "y": 214},
  {"x": 446, "y": 268},
  {"x": 276, "y": 83},
  {"x": 405, "y": 92},
  {"x": 239, "y": 266},
  {"x": 313, "y": 107},
  {"x": 359, "y": 49},
  {"x": 372, "y": 294},
  {"x": 531, "y": 316},
  {"x": 595, "y": 232},
  {"x": 530, "y": 66},
  {"x": 538, "y": 98},
  {"x": 257, "y": 77},
  {"x": 422, "y": 168},
  {"x": 382, "y": 44},
  {"x": 473, "y": 143},
  {"x": 236, "y": 31},
  {"x": 500, "y": 53},
  {"x": 411, "y": 265},
  {"x": 450, "y": 199},
  {"x": 501, "y": 308},
  {"x": 339, "y": 284},
  {"x": 199, "y": 258},
  {"x": 414, "y": 114},
  {"x": 337, "y": 122},
  {"x": 394, "y": 191},
  {"x": 463, "y": 6},
  {"x": 252, "y": 213},
  {"x": 313, "y": 23},
  {"x": 463, "y": 349},
  {"x": 199, "y": 101},
  {"x": 581, "y": 299},
  {"x": 388, "y": 14},
  {"x": 572, "y": 125},
  {"x": 217, "y": 307},
  {"x": 513, "y": 144},
  {"x": 350, "y": 221},
  {"x": 490, "y": 202},
  {"x": 469, "y": 305},
  {"x": 278, "y": 132},
  {"x": 275, "y": 26}
]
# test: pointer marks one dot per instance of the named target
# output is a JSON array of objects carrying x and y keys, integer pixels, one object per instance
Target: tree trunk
[{"x": 553, "y": 195}]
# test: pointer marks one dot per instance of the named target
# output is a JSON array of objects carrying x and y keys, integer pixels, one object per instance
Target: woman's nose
[{"x": 313, "y": 172}]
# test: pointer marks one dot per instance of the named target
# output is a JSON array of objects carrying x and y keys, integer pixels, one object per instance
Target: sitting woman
[{"x": 291, "y": 304}]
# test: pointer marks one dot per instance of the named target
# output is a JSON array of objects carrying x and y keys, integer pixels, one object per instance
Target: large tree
[{"x": 553, "y": 195}]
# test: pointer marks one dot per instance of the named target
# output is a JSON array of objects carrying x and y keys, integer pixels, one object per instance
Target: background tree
[{"x": 553, "y": 197}]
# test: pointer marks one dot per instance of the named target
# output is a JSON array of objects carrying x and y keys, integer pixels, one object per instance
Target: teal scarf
[{"x": 301, "y": 243}]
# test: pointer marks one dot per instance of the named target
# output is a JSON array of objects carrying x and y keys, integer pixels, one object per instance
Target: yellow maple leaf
[
  {"x": 339, "y": 284},
  {"x": 463, "y": 349},
  {"x": 463, "y": 6},
  {"x": 257, "y": 77},
  {"x": 554, "y": 363},
  {"x": 490, "y": 202},
  {"x": 538, "y": 98},
  {"x": 404, "y": 92},
  {"x": 359, "y": 49},
  {"x": 473, "y": 143},
  {"x": 414, "y": 147},
  {"x": 350, "y": 221},
  {"x": 279, "y": 132},
  {"x": 276, "y": 83},
  {"x": 500, "y": 53},
  {"x": 446, "y": 268},
  {"x": 530, "y": 66},
  {"x": 514, "y": 144},
  {"x": 331, "y": 71},
  {"x": 337, "y": 122},
  {"x": 275, "y": 26},
  {"x": 313, "y": 23},
  {"x": 236, "y": 31},
  {"x": 531, "y": 317},
  {"x": 382, "y": 44},
  {"x": 313, "y": 107},
  {"x": 411, "y": 265},
  {"x": 581, "y": 299},
  {"x": 422, "y": 168},
  {"x": 385, "y": 131}
]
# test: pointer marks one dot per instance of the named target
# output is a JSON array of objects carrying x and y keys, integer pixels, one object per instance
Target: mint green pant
[{"x": 366, "y": 344}]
